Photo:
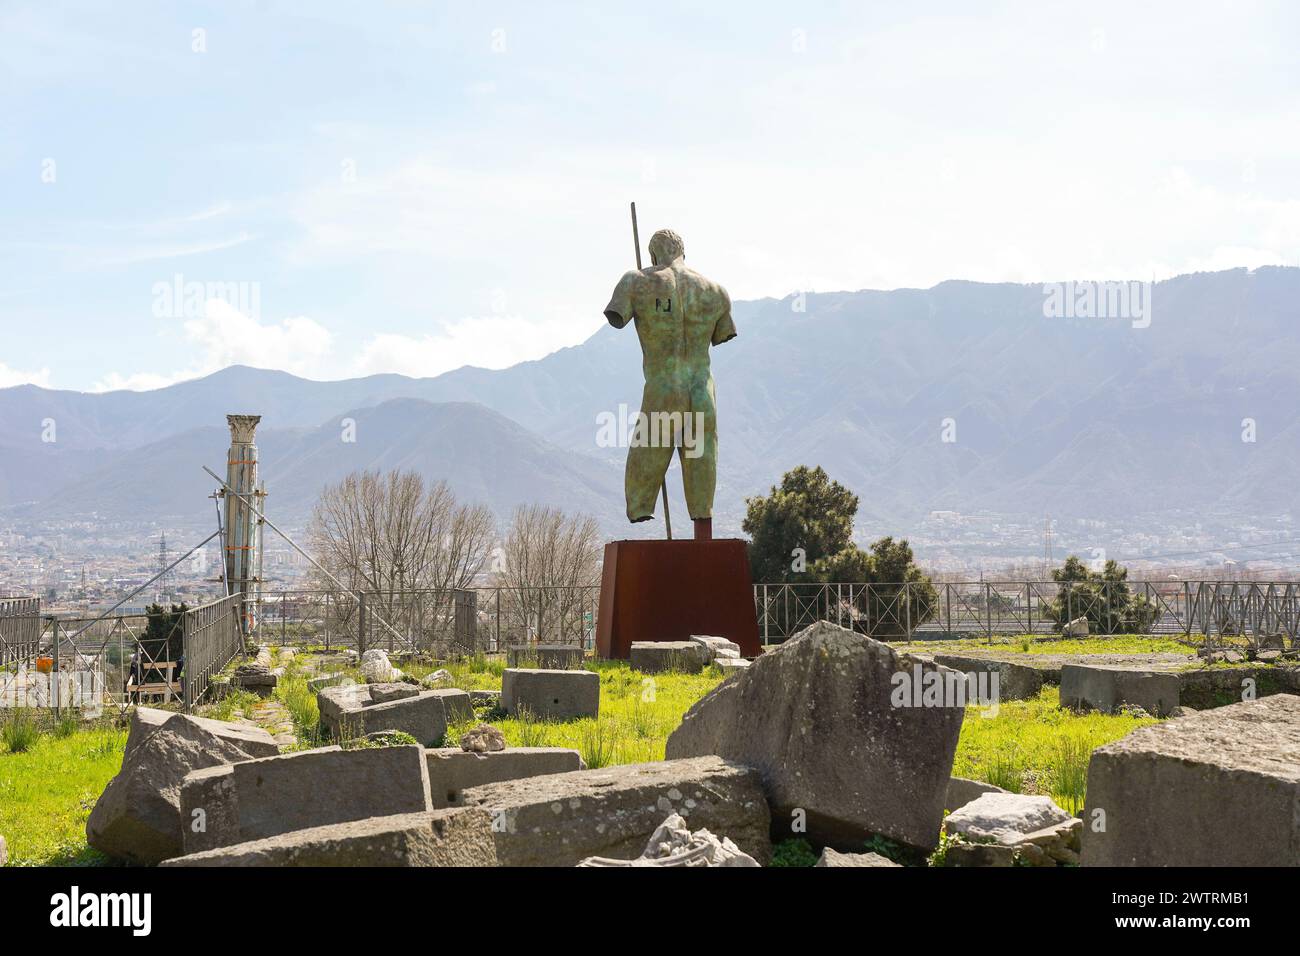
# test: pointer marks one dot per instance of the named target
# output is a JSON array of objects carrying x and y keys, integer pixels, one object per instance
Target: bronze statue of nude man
[{"x": 679, "y": 314}]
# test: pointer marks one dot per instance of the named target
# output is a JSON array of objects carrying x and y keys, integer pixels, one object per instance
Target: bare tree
[
  {"x": 389, "y": 534},
  {"x": 551, "y": 564}
]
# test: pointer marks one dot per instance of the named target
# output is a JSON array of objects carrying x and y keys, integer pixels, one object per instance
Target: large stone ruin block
[
  {"x": 453, "y": 837},
  {"x": 1009, "y": 829},
  {"x": 843, "y": 733},
  {"x": 138, "y": 818},
  {"x": 453, "y": 770},
  {"x": 831, "y": 857},
  {"x": 730, "y": 665},
  {"x": 254, "y": 741},
  {"x": 717, "y": 647},
  {"x": 358, "y": 709},
  {"x": 654, "y": 657},
  {"x": 1216, "y": 788},
  {"x": 1106, "y": 688},
  {"x": 549, "y": 694},
  {"x": 264, "y": 798},
  {"x": 1014, "y": 681},
  {"x": 561, "y": 819},
  {"x": 551, "y": 657},
  {"x": 962, "y": 791}
]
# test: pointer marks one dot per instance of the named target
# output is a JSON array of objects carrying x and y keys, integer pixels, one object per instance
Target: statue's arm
[
  {"x": 724, "y": 330},
  {"x": 619, "y": 311}
]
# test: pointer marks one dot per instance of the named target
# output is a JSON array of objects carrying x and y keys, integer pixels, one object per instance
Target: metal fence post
[
  {"x": 907, "y": 608},
  {"x": 361, "y": 623},
  {"x": 988, "y": 612},
  {"x": 54, "y": 671}
]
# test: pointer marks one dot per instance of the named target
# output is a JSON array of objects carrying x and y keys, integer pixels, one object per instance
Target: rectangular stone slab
[
  {"x": 1015, "y": 681},
  {"x": 560, "y": 819},
  {"x": 452, "y": 770},
  {"x": 551, "y": 695},
  {"x": 1105, "y": 688},
  {"x": 349, "y": 711},
  {"x": 1215, "y": 788},
  {"x": 452, "y": 837},
  {"x": 310, "y": 788},
  {"x": 254, "y": 741},
  {"x": 654, "y": 657}
]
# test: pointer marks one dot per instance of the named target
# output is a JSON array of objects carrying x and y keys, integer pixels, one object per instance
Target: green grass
[
  {"x": 795, "y": 852},
  {"x": 49, "y": 782},
  {"x": 1048, "y": 644},
  {"x": 1036, "y": 746},
  {"x": 235, "y": 704},
  {"x": 292, "y": 691},
  {"x": 19, "y": 732},
  {"x": 47, "y": 790},
  {"x": 637, "y": 713}
]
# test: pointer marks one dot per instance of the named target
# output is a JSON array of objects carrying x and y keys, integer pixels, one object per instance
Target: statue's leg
[
  {"x": 700, "y": 470},
  {"x": 646, "y": 465}
]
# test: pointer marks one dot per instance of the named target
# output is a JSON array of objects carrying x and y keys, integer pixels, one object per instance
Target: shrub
[
  {"x": 600, "y": 742},
  {"x": 794, "y": 852},
  {"x": 19, "y": 731}
]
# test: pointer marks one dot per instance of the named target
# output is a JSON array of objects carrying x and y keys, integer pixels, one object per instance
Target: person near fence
[{"x": 133, "y": 677}]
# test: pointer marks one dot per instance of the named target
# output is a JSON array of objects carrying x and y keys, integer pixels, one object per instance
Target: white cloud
[
  {"x": 225, "y": 336},
  {"x": 229, "y": 337},
  {"x": 515, "y": 339},
  {"x": 12, "y": 376}
]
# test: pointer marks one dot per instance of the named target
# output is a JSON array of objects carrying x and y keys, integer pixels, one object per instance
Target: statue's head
[{"x": 665, "y": 247}]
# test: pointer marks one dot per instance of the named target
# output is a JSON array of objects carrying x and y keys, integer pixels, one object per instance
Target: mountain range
[{"x": 963, "y": 397}]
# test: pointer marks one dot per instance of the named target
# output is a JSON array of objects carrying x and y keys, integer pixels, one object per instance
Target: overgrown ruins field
[{"x": 48, "y": 784}]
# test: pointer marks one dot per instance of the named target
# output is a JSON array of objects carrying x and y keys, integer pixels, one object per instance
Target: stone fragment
[
  {"x": 551, "y": 694},
  {"x": 1004, "y": 817},
  {"x": 297, "y": 791},
  {"x": 251, "y": 739},
  {"x": 673, "y": 844},
  {"x": 841, "y": 728},
  {"x": 443, "y": 838},
  {"x": 654, "y": 657},
  {"x": 1014, "y": 681},
  {"x": 137, "y": 818},
  {"x": 1215, "y": 788},
  {"x": 483, "y": 739},
  {"x": 962, "y": 791},
  {"x": 453, "y": 770},
  {"x": 376, "y": 668},
  {"x": 831, "y": 857},
  {"x": 356, "y": 710},
  {"x": 1105, "y": 687},
  {"x": 561, "y": 819}
]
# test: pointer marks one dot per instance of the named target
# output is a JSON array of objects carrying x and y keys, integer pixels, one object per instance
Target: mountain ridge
[{"x": 1091, "y": 417}]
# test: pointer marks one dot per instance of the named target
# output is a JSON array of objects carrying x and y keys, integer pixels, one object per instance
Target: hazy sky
[{"x": 412, "y": 187}]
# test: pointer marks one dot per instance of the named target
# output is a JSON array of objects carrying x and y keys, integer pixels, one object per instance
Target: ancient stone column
[{"x": 241, "y": 523}]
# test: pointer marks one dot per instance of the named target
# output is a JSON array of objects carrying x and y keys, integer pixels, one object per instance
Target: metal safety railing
[
  {"x": 90, "y": 664},
  {"x": 55, "y": 662},
  {"x": 440, "y": 622},
  {"x": 20, "y": 628},
  {"x": 213, "y": 637},
  {"x": 1005, "y": 608}
]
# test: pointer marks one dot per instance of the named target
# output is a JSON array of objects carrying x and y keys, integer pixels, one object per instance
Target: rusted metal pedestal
[{"x": 669, "y": 590}]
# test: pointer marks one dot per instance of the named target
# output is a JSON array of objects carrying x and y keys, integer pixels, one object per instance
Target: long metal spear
[{"x": 663, "y": 485}]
